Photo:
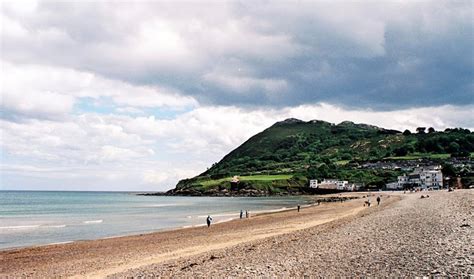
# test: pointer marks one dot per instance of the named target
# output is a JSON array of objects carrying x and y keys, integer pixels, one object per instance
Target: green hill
[{"x": 282, "y": 158}]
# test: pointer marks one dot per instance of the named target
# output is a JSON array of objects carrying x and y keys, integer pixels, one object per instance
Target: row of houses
[
  {"x": 333, "y": 184},
  {"x": 427, "y": 177}
]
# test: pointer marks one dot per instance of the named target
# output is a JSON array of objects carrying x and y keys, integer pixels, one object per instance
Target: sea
[{"x": 32, "y": 218}]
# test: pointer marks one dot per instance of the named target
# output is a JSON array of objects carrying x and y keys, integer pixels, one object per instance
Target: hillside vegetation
[{"x": 283, "y": 157}]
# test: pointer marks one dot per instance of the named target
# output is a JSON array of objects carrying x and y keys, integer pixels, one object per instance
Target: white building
[
  {"x": 333, "y": 184},
  {"x": 423, "y": 177},
  {"x": 432, "y": 179},
  {"x": 340, "y": 184},
  {"x": 235, "y": 179},
  {"x": 352, "y": 187},
  {"x": 393, "y": 186}
]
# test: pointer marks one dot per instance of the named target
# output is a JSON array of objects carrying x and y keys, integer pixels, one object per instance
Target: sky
[{"x": 117, "y": 95}]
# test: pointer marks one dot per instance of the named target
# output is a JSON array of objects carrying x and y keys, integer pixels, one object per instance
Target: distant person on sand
[
  {"x": 378, "y": 200},
  {"x": 299, "y": 208},
  {"x": 241, "y": 214},
  {"x": 247, "y": 215},
  {"x": 367, "y": 202},
  {"x": 208, "y": 220}
]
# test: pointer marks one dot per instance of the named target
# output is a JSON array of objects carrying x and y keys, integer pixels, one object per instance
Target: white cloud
[
  {"x": 30, "y": 103},
  {"x": 112, "y": 153},
  {"x": 156, "y": 37},
  {"x": 440, "y": 117},
  {"x": 239, "y": 84},
  {"x": 49, "y": 91},
  {"x": 155, "y": 177},
  {"x": 157, "y": 42}
]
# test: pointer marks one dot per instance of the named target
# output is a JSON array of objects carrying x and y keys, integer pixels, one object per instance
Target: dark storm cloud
[{"x": 365, "y": 55}]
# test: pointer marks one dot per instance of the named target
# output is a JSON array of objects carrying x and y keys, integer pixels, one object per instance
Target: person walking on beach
[
  {"x": 208, "y": 220},
  {"x": 299, "y": 208},
  {"x": 378, "y": 200},
  {"x": 241, "y": 214},
  {"x": 247, "y": 215}
]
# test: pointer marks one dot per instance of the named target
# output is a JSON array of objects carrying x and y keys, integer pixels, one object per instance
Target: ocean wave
[
  {"x": 163, "y": 205},
  {"x": 219, "y": 215},
  {"x": 270, "y": 210},
  {"x": 26, "y": 227},
  {"x": 224, "y": 220},
  {"x": 19, "y": 227},
  {"x": 237, "y": 214},
  {"x": 53, "y": 226},
  {"x": 193, "y": 226},
  {"x": 93, "y": 222},
  {"x": 59, "y": 243}
]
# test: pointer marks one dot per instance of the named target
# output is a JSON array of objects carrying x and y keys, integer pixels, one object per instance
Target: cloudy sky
[{"x": 137, "y": 95}]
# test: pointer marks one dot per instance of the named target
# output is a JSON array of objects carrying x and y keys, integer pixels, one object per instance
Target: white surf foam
[
  {"x": 93, "y": 222},
  {"x": 269, "y": 210},
  {"x": 53, "y": 226},
  {"x": 19, "y": 227},
  {"x": 30, "y": 227},
  {"x": 58, "y": 243},
  {"x": 220, "y": 215},
  {"x": 225, "y": 220},
  {"x": 163, "y": 205}
]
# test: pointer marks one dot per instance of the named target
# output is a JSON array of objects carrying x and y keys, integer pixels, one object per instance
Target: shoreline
[
  {"x": 261, "y": 212},
  {"x": 89, "y": 256},
  {"x": 310, "y": 199}
]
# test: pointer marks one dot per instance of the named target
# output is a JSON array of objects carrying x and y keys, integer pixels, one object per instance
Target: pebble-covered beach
[{"x": 414, "y": 237}]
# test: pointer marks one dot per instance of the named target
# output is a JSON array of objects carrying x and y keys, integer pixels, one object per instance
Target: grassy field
[
  {"x": 266, "y": 177},
  {"x": 415, "y": 156},
  {"x": 342, "y": 162},
  {"x": 211, "y": 182}
]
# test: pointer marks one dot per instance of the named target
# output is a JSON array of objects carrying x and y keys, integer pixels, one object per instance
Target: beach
[{"x": 404, "y": 236}]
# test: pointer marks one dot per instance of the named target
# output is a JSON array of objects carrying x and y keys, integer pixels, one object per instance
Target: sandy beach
[{"x": 404, "y": 236}]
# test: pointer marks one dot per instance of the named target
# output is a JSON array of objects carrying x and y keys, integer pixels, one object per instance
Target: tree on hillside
[
  {"x": 323, "y": 171},
  {"x": 453, "y": 147},
  {"x": 401, "y": 151},
  {"x": 406, "y": 132},
  {"x": 431, "y": 130},
  {"x": 420, "y": 130},
  {"x": 448, "y": 170}
]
